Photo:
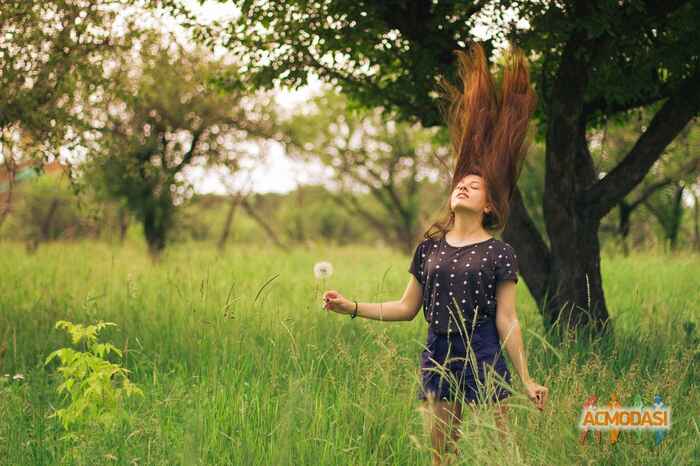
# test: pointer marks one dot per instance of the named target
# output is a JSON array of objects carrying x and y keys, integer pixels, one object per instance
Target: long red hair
[{"x": 488, "y": 130}]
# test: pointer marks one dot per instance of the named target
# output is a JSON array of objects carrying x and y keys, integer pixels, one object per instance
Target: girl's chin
[{"x": 460, "y": 207}]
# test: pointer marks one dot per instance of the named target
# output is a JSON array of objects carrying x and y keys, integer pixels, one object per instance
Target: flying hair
[{"x": 488, "y": 129}]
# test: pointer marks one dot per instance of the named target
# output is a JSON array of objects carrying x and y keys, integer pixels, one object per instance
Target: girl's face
[{"x": 470, "y": 194}]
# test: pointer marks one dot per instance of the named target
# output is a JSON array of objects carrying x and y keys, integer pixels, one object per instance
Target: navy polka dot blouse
[{"x": 459, "y": 283}]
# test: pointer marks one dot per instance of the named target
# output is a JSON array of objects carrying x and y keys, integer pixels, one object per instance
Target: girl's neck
[{"x": 467, "y": 229}]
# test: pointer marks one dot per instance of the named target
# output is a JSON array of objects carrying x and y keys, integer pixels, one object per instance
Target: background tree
[
  {"x": 679, "y": 166},
  {"x": 51, "y": 57},
  {"x": 257, "y": 209},
  {"x": 667, "y": 207},
  {"x": 590, "y": 60},
  {"x": 164, "y": 115},
  {"x": 599, "y": 62},
  {"x": 234, "y": 202},
  {"x": 47, "y": 210},
  {"x": 50, "y": 51},
  {"x": 366, "y": 151},
  {"x": 696, "y": 218}
]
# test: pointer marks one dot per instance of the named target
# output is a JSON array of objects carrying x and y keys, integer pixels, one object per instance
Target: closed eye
[{"x": 473, "y": 185}]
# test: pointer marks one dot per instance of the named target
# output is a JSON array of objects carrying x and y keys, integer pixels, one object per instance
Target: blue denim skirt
[{"x": 468, "y": 367}]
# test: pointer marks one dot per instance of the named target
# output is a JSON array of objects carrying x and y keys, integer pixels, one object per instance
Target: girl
[{"x": 463, "y": 277}]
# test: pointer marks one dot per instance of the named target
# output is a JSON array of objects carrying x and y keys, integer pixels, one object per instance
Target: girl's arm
[
  {"x": 510, "y": 334},
  {"x": 404, "y": 309}
]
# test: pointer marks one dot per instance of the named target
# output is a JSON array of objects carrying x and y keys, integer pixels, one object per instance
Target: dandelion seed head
[{"x": 323, "y": 269}]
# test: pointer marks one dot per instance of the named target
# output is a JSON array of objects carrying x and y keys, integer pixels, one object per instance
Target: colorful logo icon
[{"x": 616, "y": 418}]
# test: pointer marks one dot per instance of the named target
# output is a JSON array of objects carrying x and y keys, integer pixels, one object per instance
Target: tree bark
[
  {"x": 155, "y": 233},
  {"x": 669, "y": 220},
  {"x": 44, "y": 232},
  {"x": 565, "y": 278},
  {"x": 11, "y": 169},
  {"x": 235, "y": 201},
  {"x": 677, "y": 217},
  {"x": 301, "y": 228},
  {"x": 123, "y": 223},
  {"x": 696, "y": 223},
  {"x": 260, "y": 221},
  {"x": 157, "y": 221},
  {"x": 625, "y": 210},
  {"x": 573, "y": 295}
]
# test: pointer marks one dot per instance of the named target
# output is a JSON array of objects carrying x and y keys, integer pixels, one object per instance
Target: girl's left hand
[{"x": 537, "y": 394}]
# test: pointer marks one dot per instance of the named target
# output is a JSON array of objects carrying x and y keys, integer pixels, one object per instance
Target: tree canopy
[
  {"x": 591, "y": 61},
  {"x": 164, "y": 113}
]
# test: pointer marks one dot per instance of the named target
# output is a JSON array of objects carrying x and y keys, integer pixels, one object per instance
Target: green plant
[{"x": 89, "y": 380}]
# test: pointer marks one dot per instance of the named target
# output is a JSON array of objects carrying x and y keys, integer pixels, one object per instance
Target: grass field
[{"x": 230, "y": 378}]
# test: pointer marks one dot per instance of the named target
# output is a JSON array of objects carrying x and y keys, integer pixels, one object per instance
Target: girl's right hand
[
  {"x": 334, "y": 301},
  {"x": 537, "y": 393}
]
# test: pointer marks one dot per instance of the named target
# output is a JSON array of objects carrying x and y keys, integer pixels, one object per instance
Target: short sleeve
[
  {"x": 416, "y": 267},
  {"x": 506, "y": 264}
]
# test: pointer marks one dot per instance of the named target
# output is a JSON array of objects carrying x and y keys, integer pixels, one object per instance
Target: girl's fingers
[
  {"x": 542, "y": 396},
  {"x": 329, "y": 303},
  {"x": 539, "y": 397}
]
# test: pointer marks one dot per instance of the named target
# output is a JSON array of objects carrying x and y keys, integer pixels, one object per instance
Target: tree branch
[
  {"x": 662, "y": 9},
  {"x": 673, "y": 116},
  {"x": 602, "y": 104},
  {"x": 190, "y": 153},
  {"x": 243, "y": 202},
  {"x": 692, "y": 165},
  {"x": 356, "y": 208},
  {"x": 533, "y": 253}
]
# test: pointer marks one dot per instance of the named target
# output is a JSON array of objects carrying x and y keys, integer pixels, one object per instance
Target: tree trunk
[
  {"x": 299, "y": 219},
  {"x": 123, "y": 217},
  {"x": 669, "y": 217},
  {"x": 676, "y": 217},
  {"x": 564, "y": 277},
  {"x": 696, "y": 223},
  {"x": 156, "y": 225},
  {"x": 6, "y": 205},
  {"x": 44, "y": 232},
  {"x": 235, "y": 200},
  {"x": 260, "y": 221},
  {"x": 625, "y": 212},
  {"x": 154, "y": 233},
  {"x": 574, "y": 296}
]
